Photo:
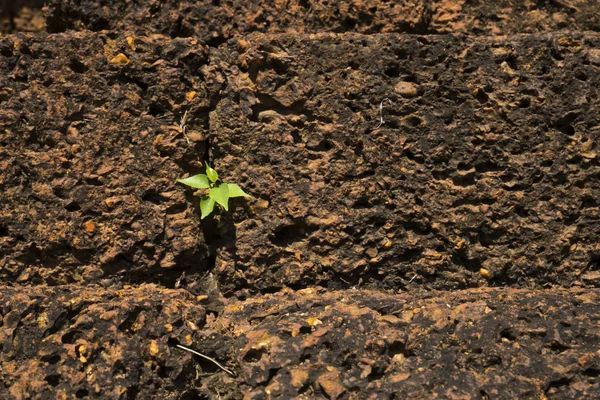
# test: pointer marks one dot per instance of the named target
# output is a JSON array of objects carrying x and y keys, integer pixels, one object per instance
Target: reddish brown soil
[{"x": 424, "y": 219}]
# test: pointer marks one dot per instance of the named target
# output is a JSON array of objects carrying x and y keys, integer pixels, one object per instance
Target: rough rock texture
[
  {"x": 472, "y": 344},
  {"x": 217, "y": 21},
  {"x": 90, "y": 149},
  {"x": 503, "y": 17},
  {"x": 22, "y": 16},
  {"x": 485, "y": 167},
  {"x": 424, "y": 221},
  {"x": 85, "y": 342}
]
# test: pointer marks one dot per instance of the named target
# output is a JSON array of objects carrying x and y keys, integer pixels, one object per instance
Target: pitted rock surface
[
  {"x": 218, "y": 21},
  {"x": 89, "y": 160},
  {"x": 423, "y": 219},
  {"x": 312, "y": 343},
  {"x": 446, "y": 161}
]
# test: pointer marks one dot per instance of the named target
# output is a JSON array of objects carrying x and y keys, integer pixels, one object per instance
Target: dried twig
[
  {"x": 381, "y": 112},
  {"x": 206, "y": 358},
  {"x": 183, "y": 126}
]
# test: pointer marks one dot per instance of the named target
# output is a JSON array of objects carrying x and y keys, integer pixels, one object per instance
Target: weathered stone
[
  {"x": 109, "y": 343},
  {"x": 216, "y": 23},
  {"x": 376, "y": 160},
  {"x": 406, "y": 89},
  {"x": 102, "y": 205},
  {"x": 486, "y": 170}
]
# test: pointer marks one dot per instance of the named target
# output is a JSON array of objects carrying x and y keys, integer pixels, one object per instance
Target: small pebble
[
  {"x": 119, "y": 59},
  {"x": 189, "y": 96},
  {"x": 594, "y": 56},
  {"x": 406, "y": 89},
  {"x": 486, "y": 273},
  {"x": 153, "y": 348}
]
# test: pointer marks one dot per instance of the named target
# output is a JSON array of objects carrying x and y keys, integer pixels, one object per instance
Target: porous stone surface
[
  {"x": 448, "y": 162},
  {"x": 513, "y": 16},
  {"x": 443, "y": 161},
  {"x": 89, "y": 161},
  {"x": 85, "y": 342},
  {"x": 22, "y": 16},
  {"x": 217, "y": 21},
  {"x": 313, "y": 343},
  {"x": 423, "y": 220}
]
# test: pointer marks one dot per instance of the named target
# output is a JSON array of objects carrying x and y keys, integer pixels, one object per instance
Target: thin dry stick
[
  {"x": 206, "y": 358},
  {"x": 184, "y": 121},
  {"x": 381, "y": 112},
  {"x": 183, "y": 126}
]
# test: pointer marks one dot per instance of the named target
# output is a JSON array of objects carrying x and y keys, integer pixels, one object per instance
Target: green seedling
[{"x": 218, "y": 193}]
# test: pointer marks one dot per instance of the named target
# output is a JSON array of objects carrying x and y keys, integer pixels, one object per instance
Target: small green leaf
[
  {"x": 211, "y": 173},
  {"x": 207, "y": 206},
  {"x": 236, "y": 191},
  {"x": 199, "y": 181},
  {"x": 220, "y": 194}
]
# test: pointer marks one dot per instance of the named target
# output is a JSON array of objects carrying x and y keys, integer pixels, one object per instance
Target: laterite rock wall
[
  {"x": 482, "y": 343},
  {"x": 423, "y": 219},
  {"x": 443, "y": 161},
  {"x": 89, "y": 160}
]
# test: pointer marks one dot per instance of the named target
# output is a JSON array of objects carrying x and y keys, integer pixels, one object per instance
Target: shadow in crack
[{"x": 22, "y": 16}]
